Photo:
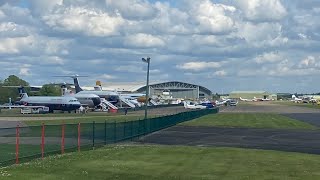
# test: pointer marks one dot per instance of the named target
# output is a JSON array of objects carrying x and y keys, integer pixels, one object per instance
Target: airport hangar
[
  {"x": 176, "y": 89},
  {"x": 252, "y": 94}
]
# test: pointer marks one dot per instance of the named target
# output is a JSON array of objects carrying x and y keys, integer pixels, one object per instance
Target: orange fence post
[
  {"x": 42, "y": 141},
  {"x": 79, "y": 136},
  {"x": 17, "y": 143},
  {"x": 62, "y": 138}
]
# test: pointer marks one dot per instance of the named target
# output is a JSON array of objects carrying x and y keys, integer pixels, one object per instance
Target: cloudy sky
[{"x": 224, "y": 45}]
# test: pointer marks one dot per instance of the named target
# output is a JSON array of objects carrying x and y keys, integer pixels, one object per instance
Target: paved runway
[
  {"x": 305, "y": 141},
  {"x": 269, "y": 139},
  {"x": 311, "y": 118}
]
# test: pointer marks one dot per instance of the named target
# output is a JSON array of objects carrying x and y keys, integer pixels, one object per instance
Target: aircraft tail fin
[
  {"x": 22, "y": 92},
  {"x": 76, "y": 85}
]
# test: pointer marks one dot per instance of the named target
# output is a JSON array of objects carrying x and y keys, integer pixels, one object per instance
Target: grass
[
  {"x": 169, "y": 162},
  {"x": 289, "y": 103},
  {"x": 249, "y": 120},
  {"x": 7, "y": 151},
  {"x": 86, "y": 119}
]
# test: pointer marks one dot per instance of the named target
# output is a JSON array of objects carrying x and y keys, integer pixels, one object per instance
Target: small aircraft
[
  {"x": 295, "y": 99},
  {"x": 191, "y": 105},
  {"x": 248, "y": 100},
  {"x": 63, "y": 103}
]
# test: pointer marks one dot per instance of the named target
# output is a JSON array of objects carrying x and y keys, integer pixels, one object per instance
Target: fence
[{"x": 21, "y": 144}]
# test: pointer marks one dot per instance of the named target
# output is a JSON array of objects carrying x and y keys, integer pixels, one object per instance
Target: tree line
[{"x": 9, "y": 89}]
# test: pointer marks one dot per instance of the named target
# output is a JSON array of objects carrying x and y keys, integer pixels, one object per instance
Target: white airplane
[
  {"x": 261, "y": 99},
  {"x": 248, "y": 100},
  {"x": 190, "y": 105},
  {"x": 90, "y": 100},
  {"x": 110, "y": 96},
  {"x": 63, "y": 103},
  {"x": 295, "y": 99}
]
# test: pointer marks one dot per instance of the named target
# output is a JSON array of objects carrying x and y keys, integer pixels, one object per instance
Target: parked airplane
[
  {"x": 191, "y": 105},
  {"x": 248, "y": 100},
  {"x": 295, "y": 99},
  {"x": 63, "y": 103},
  {"x": 90, "y": 100},
  {"x": 110, "y": 96}
]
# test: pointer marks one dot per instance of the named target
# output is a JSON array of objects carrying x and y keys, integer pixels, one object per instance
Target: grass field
[
  {"x": 169, "y": 162},
  {"x": 87, "y": 119},
  {"x": 250, "y": 120},
  {"x": 289, "y": 103}
]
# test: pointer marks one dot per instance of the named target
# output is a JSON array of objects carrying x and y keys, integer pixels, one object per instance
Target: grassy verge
[
  {"x": 86, "y": 119},
  {"x": 250, "y": 120},
  {"x": 289, "y": 103},
  {"x": 167, "y": 162}
]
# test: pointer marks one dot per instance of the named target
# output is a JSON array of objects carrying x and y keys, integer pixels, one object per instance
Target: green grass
[
  {"x": 249, "y": 120},
  {"x": 170, "y": 162},
  {"x": 7, "y": 151},
  {"x": 289, "y": 103},
  {"x": 86, "y": 119}
]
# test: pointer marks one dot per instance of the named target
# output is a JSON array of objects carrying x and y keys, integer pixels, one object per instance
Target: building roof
[{"x": 132, "y": 86}]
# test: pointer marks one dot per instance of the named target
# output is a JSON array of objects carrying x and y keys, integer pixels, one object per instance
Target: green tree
[
  {"x": 11, "y": 92},
  {"x": 50, "y": 90},
  {"x": 13, "y": 80}
]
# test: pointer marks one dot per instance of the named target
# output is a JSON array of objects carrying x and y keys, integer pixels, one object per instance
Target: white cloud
[
  {"x": 220, "y": 73},
  {"x": 15, "y": 45},
  {"x": 198, "y": 66},
  {"x": 91, "y": 22},
  {"x": 212, "y": 18},
  {"x": 270, "y": 57},
  {"x": 107, "y": 77},
  {"x": 143, "y": 41},
  {"x": 133, "y": 9},
  {"x": 262, "y": 10},
  {"x": 309, "y": 62}
]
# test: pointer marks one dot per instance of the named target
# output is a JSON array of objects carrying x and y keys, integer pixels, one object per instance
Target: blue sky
[{"x": 224, "y": 45}]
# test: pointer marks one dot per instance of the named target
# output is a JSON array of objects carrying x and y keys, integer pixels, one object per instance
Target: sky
[{"x": 224, "y": 45}]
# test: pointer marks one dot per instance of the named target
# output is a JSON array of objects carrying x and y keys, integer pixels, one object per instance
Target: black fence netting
[{"x": 24, "y": 143}]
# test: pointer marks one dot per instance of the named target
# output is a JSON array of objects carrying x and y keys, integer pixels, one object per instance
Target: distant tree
[
  {"x": 7, "y": 92},
  {"x": 50, "y": 90},
  {"x": 13, "y": 80}
]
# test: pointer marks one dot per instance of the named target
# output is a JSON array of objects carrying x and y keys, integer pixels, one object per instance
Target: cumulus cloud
[
  {"x": 262, "y": 10},
  {"x": 269, "y": 57},
  {"x": 198, "y": 66},
  {"x": 143, "y": 41},
  {"x": 212, "y": 18},
  {"x": 245, "y": 40},
  {"x": 134, "y": 9},
  {"x": 82, "y": 20},
  {"x": 220, "y": 73}
]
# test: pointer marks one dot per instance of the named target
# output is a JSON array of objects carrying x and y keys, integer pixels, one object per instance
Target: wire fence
[{"x": 24, "y": 143}]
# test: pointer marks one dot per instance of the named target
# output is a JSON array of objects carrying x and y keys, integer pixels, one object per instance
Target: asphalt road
[
  {"x": 269, "y": 139},
  {"x": 305, "y": 141}
]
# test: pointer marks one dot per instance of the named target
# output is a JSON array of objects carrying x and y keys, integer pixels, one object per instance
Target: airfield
[
  {"x": 292, "y": 140},
  {"x": 277, "y": 142}
]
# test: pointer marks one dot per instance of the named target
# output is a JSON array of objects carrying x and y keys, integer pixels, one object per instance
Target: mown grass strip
[{"x": 249, "y": 120}]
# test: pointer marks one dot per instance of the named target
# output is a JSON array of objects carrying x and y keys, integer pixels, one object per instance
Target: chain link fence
[{"x": 24, "y": 143}]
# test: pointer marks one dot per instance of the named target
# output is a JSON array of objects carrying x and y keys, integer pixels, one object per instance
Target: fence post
[
  {"x": 105, "y": 132},
  {"x": 124, "y": 129},
  {"x": 79, "y": 137},
  {"x": 131, "y": 132},
  {"x": 115, "y": 131},
  {"x": 93, "y": 133},
  {"x": 42, "y": 141},
  {"x": 62, "y": 139},
  {"x": 17, "y": 143}
]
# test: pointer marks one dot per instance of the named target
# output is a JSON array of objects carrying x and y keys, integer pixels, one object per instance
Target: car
[{"x": 233, "y": 103}]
